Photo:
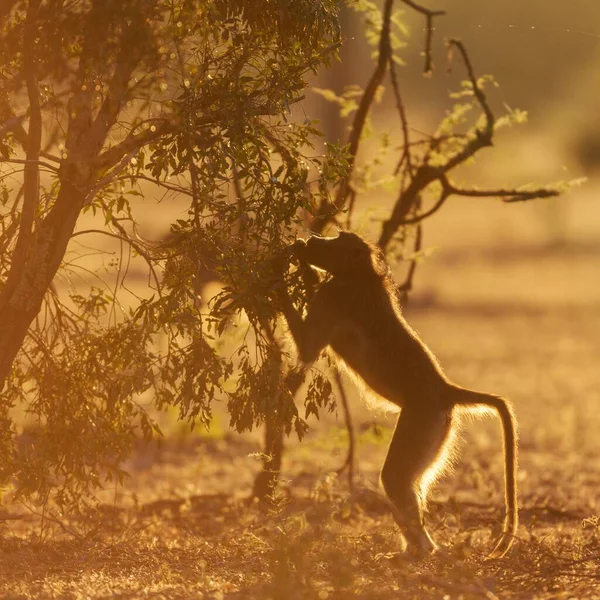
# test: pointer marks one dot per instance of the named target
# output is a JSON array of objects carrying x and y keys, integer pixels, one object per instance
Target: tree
[{"x": 189, "y": 97}]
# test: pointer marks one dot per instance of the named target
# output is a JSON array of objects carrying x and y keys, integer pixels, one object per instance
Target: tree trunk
[
  {"x": 21, "y": 304},
  {"x": 267, "y": 479}
]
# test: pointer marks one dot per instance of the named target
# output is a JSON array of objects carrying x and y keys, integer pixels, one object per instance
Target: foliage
[{"x": 135, "y": 99}]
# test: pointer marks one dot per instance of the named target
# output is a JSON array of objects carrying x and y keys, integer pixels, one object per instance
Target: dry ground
[{"x": 507, "y": 310}]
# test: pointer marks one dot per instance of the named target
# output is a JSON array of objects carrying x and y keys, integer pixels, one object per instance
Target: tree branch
[
  {"x": 483, "y": 137},
  {"x": 429, "y": 15},
  {"x": 326, "y": 210},
  {"x": 408, "y": 282},
  {"x": 507, "y": 195},
  {"x": 422, "y": 216},
  {"x": 406, "y": 155},
  {"x": 14, "y": 125},
  {"x": 163, "y": 184},
  {"x": 108, "y": 178},
  {"x": 130, "y": 145},
  {"x": 29, "y": 163},
  {"x": 125, "y": 237},
  {"x": 131, "y": 51},
  {"x": 426, "y": 174},
  {"x": 31, "y": 175}
]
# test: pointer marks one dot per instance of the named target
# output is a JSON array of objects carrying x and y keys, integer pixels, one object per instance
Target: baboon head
[{"x": 345, "y": 255}]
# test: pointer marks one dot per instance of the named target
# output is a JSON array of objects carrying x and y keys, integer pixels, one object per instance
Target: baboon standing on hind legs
[{"x": 357, "y": 314}]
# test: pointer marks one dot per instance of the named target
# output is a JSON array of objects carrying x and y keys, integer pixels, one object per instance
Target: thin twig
[
  {"x": 408, "y": 282},
  {"x": 429, "y": 29},
  {"x": 483, "y": 137},
  {"x": 422, "y": 216},
  {"x": 168, "y": 186},
  {"x": 109, "y": 177},
  {"x": 138, "y": 248},
  {"x": 508, "y": 195},
  {"x": 350, "y": 460},
  {"x": 30, "y": 162},
  {"x": 130, "y": 145},
  {"x": 406, "y": 154}
]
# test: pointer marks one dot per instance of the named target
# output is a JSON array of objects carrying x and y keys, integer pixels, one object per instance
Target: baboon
[{"x": 356, "y": 312}]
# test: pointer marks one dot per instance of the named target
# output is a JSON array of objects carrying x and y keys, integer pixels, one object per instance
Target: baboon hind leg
[{"x": 417, "y": 453}]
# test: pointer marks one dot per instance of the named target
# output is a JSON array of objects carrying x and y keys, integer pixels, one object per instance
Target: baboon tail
[{"x": 463, "y": 397}]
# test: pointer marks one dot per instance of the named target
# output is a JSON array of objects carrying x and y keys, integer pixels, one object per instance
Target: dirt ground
[{"x": 510, "y": 303}]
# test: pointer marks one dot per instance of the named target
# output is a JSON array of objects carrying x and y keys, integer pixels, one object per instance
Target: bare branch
[
  {"x": 110, "y": 234},
  {"x": 426, "y": 174},
  {"x": 108, "y": 178},
  {"x": 28, "y": 161},
  {"x": 123, "y": 236},
  {"x": 408, "y": 282},
  {"x": 429, "y": 29},
  {"x": 422, "y": 216},
  {"x": 130, "y": 145},
  {"x": 140, "y": 250},
  {"x": 326, "y": 210},
  {"x": 163, "y": 184},
  {"x": 483, "y": 137},
  {"x": 14, "y": 124},
  {"x": 507, "y": 195},
  {"x": 406, "y": 155}
]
